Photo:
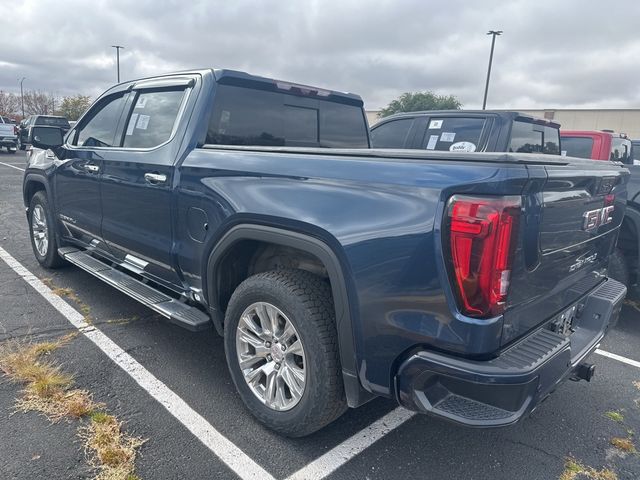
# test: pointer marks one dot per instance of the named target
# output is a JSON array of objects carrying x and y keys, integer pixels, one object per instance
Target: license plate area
[{"x": 563, "y": 323}]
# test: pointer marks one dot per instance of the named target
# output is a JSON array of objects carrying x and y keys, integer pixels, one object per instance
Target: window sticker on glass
[
  {"x": 463, "y": 147},
  {"x": 132, "y": 123},
  {"x": 433, "y": 139},
  {"x": 448, "y": 136},
  {"x": 434, "y": 124},
  {"x": 142, "y": 101},
  {"x": 143, "y": 122}
]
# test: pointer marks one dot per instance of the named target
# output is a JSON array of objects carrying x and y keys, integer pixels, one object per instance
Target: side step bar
[{"x": 176, "y": 311}]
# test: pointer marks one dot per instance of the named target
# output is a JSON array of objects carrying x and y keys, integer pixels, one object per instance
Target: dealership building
[{"x": 619, "y": 120}]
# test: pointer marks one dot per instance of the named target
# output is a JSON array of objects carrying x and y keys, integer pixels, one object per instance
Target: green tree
[
  {"x": 73, "y": 107},
  {"x": 417, "y": 101}
]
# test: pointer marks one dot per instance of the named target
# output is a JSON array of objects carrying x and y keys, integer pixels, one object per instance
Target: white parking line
[
  {"x": 222, "y": 447},
  {"x": 12, "y": 166},
  {"x": 341, "y": 454},
  {"x": 620, "y": 358}
]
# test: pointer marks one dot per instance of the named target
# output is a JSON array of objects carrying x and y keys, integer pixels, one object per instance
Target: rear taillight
[
  {"x": 15, "y": 130},
  {"x": 482, "y": 234}
]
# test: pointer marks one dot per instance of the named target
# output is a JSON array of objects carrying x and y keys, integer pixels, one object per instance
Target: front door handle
[
  {"x": 92, "y": 168},
  {"x": 155, "y": 178}
]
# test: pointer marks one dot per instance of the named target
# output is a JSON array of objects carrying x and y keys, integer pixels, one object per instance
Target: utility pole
[
  {"x": 22, "y": 96},
  {"x": 118, "y": 47},
  {"x": 494, "y": 34}
]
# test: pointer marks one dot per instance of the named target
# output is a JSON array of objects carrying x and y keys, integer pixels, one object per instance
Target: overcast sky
[{"x": 552, "y": 53}]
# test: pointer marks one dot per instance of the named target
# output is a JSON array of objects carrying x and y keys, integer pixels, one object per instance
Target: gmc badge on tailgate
[{"x": 594, "y": 218}]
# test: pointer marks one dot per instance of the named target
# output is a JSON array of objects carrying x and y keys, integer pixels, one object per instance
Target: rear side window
[
  {"x": 244, "y": 116},
  {"x": 455, "y": 134},
  {"x": 393, "y": 134},
  {"x": 577, "y": 146},
  {"x": 527, "y": 137},
  {"x": 153, "y": 118},
  {"x": 99, "y": 128}
]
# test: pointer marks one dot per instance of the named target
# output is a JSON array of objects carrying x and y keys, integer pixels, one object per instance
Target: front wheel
[
  {"x": 281, "y": 348},
  {"x": 41, "y": 229}
]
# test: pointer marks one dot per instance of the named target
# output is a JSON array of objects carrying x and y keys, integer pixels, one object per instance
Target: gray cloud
[{"x": 552, "y": 54}]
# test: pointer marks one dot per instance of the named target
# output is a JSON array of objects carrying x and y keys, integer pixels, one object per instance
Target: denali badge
[
  {"x": 594, "y": 218},
  {"x": 583, "y": 261}
]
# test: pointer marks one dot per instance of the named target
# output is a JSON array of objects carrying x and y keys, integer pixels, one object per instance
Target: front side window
[
  {"x": 393, "y": 134},
  {"x": 99, "y": 130},
  {"x": 153, "y": 118}
]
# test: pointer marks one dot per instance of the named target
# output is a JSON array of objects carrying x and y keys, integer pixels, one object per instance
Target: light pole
[
  {"x": 22, "y": 96},
  {"x": 494, "y": 34},
  {"x": 118, "y": 47}
]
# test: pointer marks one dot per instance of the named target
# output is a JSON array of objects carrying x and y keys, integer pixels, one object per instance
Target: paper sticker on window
[
  {"x": 433, "y": 139},
  {"x": 142, "y": 101},
  {"x": 132, "y": 123},
  {"x": 433, "y": 124},
  {"x": 463, "y": 147},
  {"x": 447, "y": 136},
  {"x": 143, "y": 122}
]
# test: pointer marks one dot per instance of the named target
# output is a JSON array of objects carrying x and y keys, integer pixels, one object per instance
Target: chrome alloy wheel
[
  {"x": 271, "y": 356},
  {"x": 39, "y": 230}
]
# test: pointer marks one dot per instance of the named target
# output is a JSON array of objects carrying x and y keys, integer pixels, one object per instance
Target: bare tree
[
  {"x": 37, "y": 102},
  {"x": 9, "y": 104}
]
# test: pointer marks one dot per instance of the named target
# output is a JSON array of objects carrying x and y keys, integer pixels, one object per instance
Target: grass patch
[
  {"x": 112, "y": 452},
  {"x": 574, "y": 470},
  {"x": 623, "y": 444},
  {"x": 637, "y": 385},
  {"x": 124, "y": 321},
  {"x": 615, "y": 415},
  {"x": 48, "y": 390},
  {"x": 71, "y": 295}
]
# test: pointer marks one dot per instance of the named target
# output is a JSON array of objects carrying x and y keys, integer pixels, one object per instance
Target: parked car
[
  {"x": 593, "y": 144},
  {"x": 24, "y": 129},
  {"x": 463, "y": 285},
  {"x": 467, "y": 131},
  {"x": 8, "y": 134}
]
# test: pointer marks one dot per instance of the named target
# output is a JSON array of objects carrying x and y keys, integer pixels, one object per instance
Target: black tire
[
  {"x": 618, "y": 268},
  {"x": 12, "y": 150},
  {"x": 50, "y": 258},
  {"x": 306, "y": 300}
]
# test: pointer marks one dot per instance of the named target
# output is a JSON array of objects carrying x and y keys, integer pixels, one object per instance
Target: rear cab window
[
  {"x": 53, "y": 122},
  {"x": 581, "y": 147},
  {"x": 255, "y": 117},
  {"x": 531, "y": 137},
  {"x": 454, "y": 134},
  {"x": 620, "y": 149}
]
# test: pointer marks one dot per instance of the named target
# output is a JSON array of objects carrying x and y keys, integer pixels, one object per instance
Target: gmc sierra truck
[{"x": 464, "y": 285}]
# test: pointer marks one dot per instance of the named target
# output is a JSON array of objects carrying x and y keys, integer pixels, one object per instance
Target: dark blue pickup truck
[{"x": 464, "y": 285}]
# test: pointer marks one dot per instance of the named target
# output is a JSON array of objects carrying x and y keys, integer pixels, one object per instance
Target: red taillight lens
[
  {"x": 482, "y": 236},
  {"x": 15, "y": 130}
]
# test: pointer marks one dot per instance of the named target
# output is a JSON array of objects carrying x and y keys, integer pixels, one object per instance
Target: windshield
[{"x": 577, "y": 146}]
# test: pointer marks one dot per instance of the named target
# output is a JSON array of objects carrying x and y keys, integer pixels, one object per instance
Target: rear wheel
[
  {"x": 618, "y": 268},
  {"x": 281, "y": 348},
  {"x": 41, "y": 228}
]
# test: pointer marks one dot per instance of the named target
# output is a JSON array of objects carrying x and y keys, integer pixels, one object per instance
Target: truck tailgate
[{"x": 570, "y": 226}]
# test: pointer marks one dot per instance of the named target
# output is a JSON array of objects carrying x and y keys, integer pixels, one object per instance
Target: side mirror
[{"x": 46, "y": 137}]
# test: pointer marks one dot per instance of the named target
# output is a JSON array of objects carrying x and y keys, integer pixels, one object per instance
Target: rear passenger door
[
  {"x": 396, "y": 133},
  {"x": 136, "y": 183}
]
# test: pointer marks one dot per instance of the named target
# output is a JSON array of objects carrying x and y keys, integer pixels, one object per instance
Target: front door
[{"x": 78, "y": 172}]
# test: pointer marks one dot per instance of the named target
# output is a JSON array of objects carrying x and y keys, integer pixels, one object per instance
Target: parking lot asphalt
[{"x": 571, "y": 423}]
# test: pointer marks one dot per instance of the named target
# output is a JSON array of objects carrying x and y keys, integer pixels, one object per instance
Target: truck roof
[{"x": 505, "y": 114}]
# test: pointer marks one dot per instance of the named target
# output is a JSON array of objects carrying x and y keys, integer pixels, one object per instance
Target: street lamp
[
  {"x": 118, "y": 47},
  {"x": 22, "y": 96},
  {"x": 494, "y": 34}
]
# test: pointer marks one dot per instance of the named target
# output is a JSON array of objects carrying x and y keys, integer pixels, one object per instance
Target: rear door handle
[
  {"x": 92, "y": 168},
  {"x": 155, "y": 178}
]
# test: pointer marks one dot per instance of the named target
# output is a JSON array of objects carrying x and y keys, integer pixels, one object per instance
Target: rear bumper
[
  {"x": 8, "y": 141},
  {"x": 501, "y": 391}
]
